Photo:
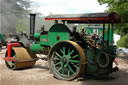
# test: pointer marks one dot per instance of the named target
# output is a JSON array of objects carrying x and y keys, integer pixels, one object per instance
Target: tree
[
  {"x": 123, "y": 41},
  {"x": 120, "y": 7}
]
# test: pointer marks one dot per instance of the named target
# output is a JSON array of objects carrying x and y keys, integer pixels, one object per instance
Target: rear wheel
[{"x": 66, "y": 60}]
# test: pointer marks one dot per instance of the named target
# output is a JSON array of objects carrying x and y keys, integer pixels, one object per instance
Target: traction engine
[{"x": 70, "y": 53}]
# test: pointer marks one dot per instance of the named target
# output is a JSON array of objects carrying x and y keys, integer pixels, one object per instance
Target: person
[
  {"x": 43, "y": 28},
  {"x": 74, "y": 28},
  {"x": 114, "y": 69},
  {"x": 100, "y": 38},
  {"x": 83, "y": 31}
]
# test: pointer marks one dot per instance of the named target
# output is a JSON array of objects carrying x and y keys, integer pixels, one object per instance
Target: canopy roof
[{"x": 86, "y": 18}]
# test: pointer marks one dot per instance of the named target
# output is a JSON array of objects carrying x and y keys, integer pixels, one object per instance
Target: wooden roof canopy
[{"x": 99, "y": 18}]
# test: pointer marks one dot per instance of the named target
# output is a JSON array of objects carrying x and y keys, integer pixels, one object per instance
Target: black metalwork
[
  {"x": 103, "y": 34},
  {"x": 32, "y": 24}
]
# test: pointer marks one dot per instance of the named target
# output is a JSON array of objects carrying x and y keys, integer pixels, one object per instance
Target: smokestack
[{"x": 32, "y": 25}]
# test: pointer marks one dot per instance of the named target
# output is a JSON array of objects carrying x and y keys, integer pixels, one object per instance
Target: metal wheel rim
[
  {"x": 75, "y": 59},
  {"x": 11, "y": 64}
]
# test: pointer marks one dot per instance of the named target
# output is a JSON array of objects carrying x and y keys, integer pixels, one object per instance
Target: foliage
[
  {"x": 123, "y": 41},
  {"x": 120, "y": 7}
]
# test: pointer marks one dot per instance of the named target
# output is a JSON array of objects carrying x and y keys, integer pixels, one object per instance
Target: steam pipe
[{"x": 32, "y": 25}]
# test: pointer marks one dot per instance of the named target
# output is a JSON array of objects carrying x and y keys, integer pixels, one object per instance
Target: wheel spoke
[
  {"x": 74, "y": 65},
  {"x": 60, "y": 67},
  {"x": 61, "y": 51},
  {"x": 57, "y": 54},
  {"x": 75, "y": 56},
  {"x": 10, "y": 63},
  {"x": 71, "y": 69},
  {"x": 58, "y": 63},
  {"x": 71, "y": 52},
  {"x": 56, "y": 58},
  {"x": 65, "y": 65},
  {"x": 68, "y": 72},
  {"x": 74, "y": 61},
  {"x": 64, "y": 51}
]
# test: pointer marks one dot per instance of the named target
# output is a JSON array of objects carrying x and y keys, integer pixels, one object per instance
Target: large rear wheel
[{"x": 66, "y": 60}]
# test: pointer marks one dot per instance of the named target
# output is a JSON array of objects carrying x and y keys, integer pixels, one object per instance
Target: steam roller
[
  {"x": 24, "y": 58},
  {"x": 18, "y": 54}
]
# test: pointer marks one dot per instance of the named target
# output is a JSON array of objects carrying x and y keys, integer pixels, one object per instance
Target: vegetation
[
  {"x": 121, "y": 7},
  {"x": 123, "y": 41}
]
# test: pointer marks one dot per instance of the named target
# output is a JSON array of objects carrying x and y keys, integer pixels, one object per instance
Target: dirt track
[{"x": 40, "y": 75}]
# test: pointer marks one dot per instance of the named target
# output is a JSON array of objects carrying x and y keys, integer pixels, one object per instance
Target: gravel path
[{"x": 40, "y": 75}]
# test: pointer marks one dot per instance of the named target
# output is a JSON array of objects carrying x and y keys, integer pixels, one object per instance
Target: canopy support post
[
  {"x": 108, "y": 33},
  {"x": 103, "y": 35}
]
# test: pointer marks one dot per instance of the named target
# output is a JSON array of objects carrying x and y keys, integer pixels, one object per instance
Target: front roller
[
  {"x": 23, "y": 58},
  {"x": 66, "y": 60}
]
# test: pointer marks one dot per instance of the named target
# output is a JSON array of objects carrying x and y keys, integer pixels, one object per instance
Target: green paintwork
[
  {"x": 93, "y": 66},
  {"x": 91, "y": 59},
  {"x": 1, "y": 37},
  {"x": 58, "y": 30},
  {"x": 37, "y": 35},
  {"x": 2, "y": 40},
  {"x": 36, "y": 47},
  {"x": 110, "y": 35},
  {"x": 44, "y": 40}
]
